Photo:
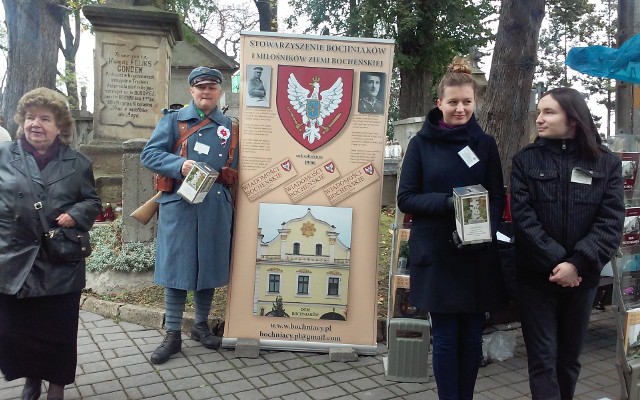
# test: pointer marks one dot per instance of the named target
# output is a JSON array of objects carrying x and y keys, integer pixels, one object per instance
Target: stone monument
[
  {"x": 132, "y": 64},
  {"x": 132, "y": 67}
]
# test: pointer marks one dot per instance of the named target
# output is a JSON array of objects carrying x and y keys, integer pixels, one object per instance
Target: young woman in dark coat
[
  {"x": 567, "y": 206},
  {"x": 456, "y": 284}
]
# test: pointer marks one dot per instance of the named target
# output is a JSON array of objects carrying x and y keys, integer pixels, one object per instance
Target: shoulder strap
[
  {"x": 235, "y": 131},
  {"x": 185, "y": 133},
  {"x": 37, "y": 205}
]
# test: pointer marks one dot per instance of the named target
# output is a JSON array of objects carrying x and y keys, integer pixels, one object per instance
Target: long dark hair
[{"x": 574, "y": 105}]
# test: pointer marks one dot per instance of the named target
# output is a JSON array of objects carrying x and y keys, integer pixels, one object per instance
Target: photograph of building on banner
[{"x": 303, "y": 261}]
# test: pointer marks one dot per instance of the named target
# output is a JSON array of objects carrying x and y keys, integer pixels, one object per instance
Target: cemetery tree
[
  {"x": 69, "y": 48},
  {"x": 265, "y": 12},
  {"x": 577, "y": 23},
  {"x": 505, "y": 111},
  {"x": 428, "y": 34},
  {"x": 72, "y": 25},
  {"x": 223, "y": 22},
  {"x": 3, "y": 53},
  {"x": 568, "y": 24},
  {"x": 33, "y": 28}
]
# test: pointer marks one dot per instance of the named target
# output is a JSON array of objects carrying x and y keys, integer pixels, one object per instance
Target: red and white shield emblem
[
  {"x": 368, "y": 169},
  {"x": 314, "y": 103},
  {"x": 286, "y": 165},
  {"x": 329, "y": 167}
]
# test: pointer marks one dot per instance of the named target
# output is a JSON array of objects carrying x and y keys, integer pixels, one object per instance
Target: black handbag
[
  {"x": 67, "y": 244},
  {"x": 60, "y": 244}
]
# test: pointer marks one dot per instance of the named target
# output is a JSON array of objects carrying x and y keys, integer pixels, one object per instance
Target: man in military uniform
[
  {"x": 369, "y": 101},
  {"x": 256, "y": 87},
  {"x": 193, "y": 240}
]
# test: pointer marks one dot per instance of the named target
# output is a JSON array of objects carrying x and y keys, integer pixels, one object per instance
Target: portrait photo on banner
[
  {"x": 371, "y": 98},
  {"x": 258, "y": 85}
]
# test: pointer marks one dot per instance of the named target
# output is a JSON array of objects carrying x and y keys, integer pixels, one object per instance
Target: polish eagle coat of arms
[{"x": 314, "y": 116}]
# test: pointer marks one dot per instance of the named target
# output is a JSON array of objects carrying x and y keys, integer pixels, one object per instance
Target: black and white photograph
[
  {"x": 258, "y": 85},
  {"x": 371, "y": 99}
]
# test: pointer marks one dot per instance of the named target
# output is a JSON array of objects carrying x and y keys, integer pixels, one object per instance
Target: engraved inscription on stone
[{"x": 129, "y": 85}]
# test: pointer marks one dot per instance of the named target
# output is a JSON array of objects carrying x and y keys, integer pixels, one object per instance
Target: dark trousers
[
  {"x": 554, "y": 326},
  {"x": 457, "y": 352}
]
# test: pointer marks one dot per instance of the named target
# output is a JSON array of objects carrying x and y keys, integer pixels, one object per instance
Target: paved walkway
[{"x": 113, "y": 364}]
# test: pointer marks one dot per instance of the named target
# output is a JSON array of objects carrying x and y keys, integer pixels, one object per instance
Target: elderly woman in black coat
[
  {"x": 39, "y": 297},
  {"x": 456, "y": 284}
]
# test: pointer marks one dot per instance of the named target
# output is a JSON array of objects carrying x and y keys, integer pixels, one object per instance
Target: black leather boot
[
  {"x": 201, "y": 333},
  {"x": 171, "y": 344},
  {"x": 32, "y": 389}
]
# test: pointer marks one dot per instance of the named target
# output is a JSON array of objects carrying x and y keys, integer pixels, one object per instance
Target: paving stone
[
  {"x": 296, "y": 396},
  {"x": 131, "y": 360},
  {"x": 348, "y": 387},
  {"x": 258, "y": 370},
  {"x": 345, "y": 375},
  {"x": 185, "y": 372},
  {"x": 95, "y": 367},
  {"x": 143, "y": 379},
  {"x": 279, "y": 356},
  {"x": 363, "y": 383},
  {"x": 202, "y": 393},
  {"x": 186, "y": 383},
  {"x": 153, "y": 389},
  {"x": 326, "y": 393},
  {"x": 95, "y": 377},
  {"x": 380, "y": 393},
  {"x": 279, "y": 390},
  {"x": 107, "y": 387},
  {"x": 228, "y": 376},
  {"x": 250, "y": 395},
  {"x": 241, "y": 385},
  {"x": 319, "y": 381},
  {"x": 121, "y": 372}
]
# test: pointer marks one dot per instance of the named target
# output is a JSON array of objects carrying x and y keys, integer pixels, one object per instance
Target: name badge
[
  {"x": 582, "y": 176},
  {"x": 468, "y": 156},
  {"x": 201, "y": 148}
]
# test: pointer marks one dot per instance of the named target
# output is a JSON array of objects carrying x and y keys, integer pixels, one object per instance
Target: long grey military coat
[{"x": 194, "y": 240}]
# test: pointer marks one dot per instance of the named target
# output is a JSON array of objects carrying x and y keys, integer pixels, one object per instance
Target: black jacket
[
  {"x": 443, "y": 278},
  {"x": 65, "y": 185},
  {"x": 557, "y": 220}
]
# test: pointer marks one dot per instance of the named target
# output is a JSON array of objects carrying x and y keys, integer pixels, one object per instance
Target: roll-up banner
[{"x": 313, "y": 121}]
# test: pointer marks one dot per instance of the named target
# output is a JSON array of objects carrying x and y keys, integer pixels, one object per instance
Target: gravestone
[{"x": 132, "y": 64}]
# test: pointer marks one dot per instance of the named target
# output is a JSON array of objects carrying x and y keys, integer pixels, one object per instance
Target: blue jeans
[
  {"x": 457, "y": 352},
  {"x": 554, "y": 326}
]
